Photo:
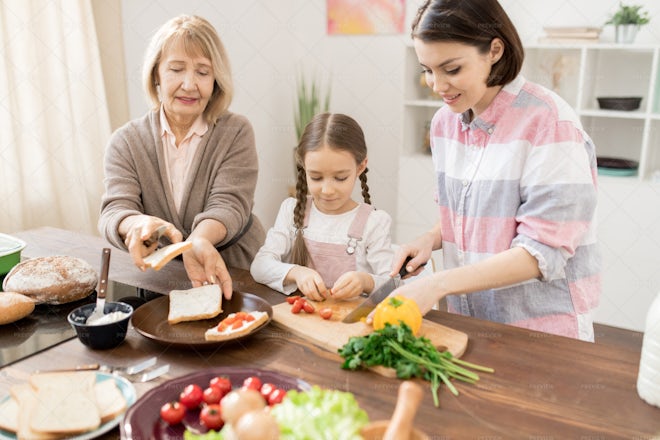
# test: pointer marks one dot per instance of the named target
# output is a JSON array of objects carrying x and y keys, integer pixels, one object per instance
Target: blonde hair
[{"x": 198, "y": 37}]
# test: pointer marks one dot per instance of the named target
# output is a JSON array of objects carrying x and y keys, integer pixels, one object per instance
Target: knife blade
[{"x": 377, "y": 296}]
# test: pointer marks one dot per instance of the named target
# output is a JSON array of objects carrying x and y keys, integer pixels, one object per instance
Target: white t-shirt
[{"x": 373, "y": 253}]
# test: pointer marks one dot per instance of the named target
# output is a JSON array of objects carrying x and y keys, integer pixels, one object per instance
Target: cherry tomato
[
  {"x": 252, "y": 382},
  {"x": 291, "y": 299},
  {"x": 191, "y": 396},
  {"x": 266, "y": 389},
  {"x": 211, "y": 416},
  {"x": 326, "y": 313},
  {"x": 276, "y": 396},
  {"x": 212, "y": 395},
  {"x": 221, "y": 382},
  {"x": 172, "y": 412},
  {"x": 297, "y": 305},
  {"x": 308, "y": 308}
]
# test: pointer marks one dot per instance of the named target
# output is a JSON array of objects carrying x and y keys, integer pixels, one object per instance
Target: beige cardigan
[{"x": 220, "y": 186}]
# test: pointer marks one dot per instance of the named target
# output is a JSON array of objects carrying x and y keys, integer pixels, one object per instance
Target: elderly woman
[{"x": 188, "y": 168}]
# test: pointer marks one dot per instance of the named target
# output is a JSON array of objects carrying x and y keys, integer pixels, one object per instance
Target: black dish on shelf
[
  {"x": 627, "y": 103},
  {"x": 616, "y": 163}
]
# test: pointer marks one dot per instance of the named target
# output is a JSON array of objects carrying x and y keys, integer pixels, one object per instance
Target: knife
[{"x": 377, "y": 296}]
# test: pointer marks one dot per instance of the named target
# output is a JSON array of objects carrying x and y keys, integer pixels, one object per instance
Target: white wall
[{"x": 269, "y": 41}]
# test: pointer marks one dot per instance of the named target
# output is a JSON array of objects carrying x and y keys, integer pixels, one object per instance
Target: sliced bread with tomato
[{"x": 235, "y": 325}]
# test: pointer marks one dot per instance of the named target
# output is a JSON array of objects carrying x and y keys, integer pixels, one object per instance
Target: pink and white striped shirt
[{"x": 521, "y": 174}]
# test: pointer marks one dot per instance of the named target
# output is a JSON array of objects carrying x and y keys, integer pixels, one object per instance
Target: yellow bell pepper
[{"x": 398, "y": 309}]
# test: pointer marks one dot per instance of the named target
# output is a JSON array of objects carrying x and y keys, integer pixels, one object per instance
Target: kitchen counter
[{"x": 544, "y": 386}]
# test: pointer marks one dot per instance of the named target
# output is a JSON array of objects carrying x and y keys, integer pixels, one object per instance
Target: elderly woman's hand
[
  {"x": 141, "y": 233},
  {"x": 204, "y": 265}
]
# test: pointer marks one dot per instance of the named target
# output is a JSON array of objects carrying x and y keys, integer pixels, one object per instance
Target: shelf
[{"x": 635, "y": 114}]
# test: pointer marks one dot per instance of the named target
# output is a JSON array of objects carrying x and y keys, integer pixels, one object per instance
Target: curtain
[{"x": 54, "y": 120}]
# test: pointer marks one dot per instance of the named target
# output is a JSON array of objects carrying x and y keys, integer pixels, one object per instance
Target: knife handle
[{"x": 403, "y": 271}]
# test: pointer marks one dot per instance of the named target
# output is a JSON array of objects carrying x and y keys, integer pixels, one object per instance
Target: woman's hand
[
  {"x": 309, "y": 282},
  {"x": 352, "y": 284},
  {"x": 141, "y": 233},
  {"x": 204, "y": 265},
  {"x": 425, "y": 291},
  {"x": 419, "y": 249}
]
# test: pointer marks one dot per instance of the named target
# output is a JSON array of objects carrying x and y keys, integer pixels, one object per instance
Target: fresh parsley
[{"x": 395, "y": 346}]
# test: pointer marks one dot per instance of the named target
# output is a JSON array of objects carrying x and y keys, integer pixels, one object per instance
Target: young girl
[
  {"x": 327, "y": 244},
  {"x": 516, "y": 181}
]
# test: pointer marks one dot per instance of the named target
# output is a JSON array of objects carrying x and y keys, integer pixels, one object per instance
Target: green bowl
[{"x": 10, "y": 252}]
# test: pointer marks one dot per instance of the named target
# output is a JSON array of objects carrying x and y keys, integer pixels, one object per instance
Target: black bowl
[
  {"x": 627, "y": 103},
  {"x": 104, "y": 336}
]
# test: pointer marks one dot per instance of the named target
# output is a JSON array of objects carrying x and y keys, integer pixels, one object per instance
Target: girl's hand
[
  {"x": 309, "y": 282},
  {"x": 141, "y": 234},
  {"x": 204, "y": 265},
  {"x": 352, "y": 284}
]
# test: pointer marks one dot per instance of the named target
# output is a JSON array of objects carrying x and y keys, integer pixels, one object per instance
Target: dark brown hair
[
  {"x": 338, "y": 132},
  {"x": 476, "y": 23}
]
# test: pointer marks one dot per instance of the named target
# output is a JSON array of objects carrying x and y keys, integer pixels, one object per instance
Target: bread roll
[
  {"x": 14, "y": 306},
  {"x": 56, "y": 279}
]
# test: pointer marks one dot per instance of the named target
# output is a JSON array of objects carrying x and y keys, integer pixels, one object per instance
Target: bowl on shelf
[
  {"x": 626, "y": 103},
  {"x": 105, "y": 335}
]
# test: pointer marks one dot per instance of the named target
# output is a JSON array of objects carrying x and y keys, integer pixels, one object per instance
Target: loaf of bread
[
  {"x": 202, "y": 302},
  {"x": 14, "y": 306},
  {"x": 165, "y": 254},
  {"x": 55, "y": 279}
]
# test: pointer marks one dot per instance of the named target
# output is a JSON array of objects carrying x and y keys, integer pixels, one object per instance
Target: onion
[
  {"x": 236, "y": 403},
  {"x": 257, "y": 425}
]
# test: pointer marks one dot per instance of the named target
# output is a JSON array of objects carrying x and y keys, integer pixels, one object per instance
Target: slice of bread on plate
[
  {"x": 9, "y": 415},
  {"x": 194, "y": 304},
  {"x": 65, "y": 403},
  {"x": 236, "y": 325},
  {"x": 165, "y": 254},
  {"x": 109, "y": 399}
]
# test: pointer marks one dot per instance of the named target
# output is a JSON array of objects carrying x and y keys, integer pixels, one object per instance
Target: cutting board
[{"x": 332, "y": 334}]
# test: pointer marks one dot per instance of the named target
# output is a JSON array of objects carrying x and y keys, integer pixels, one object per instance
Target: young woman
[
  {"x": 516, "y": 180},
  {"x": 189, "y": 165},
  {"x": 327, "y": 244}
]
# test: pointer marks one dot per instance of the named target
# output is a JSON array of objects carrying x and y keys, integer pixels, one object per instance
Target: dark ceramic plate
[
  {"x": 150, "y": 320},
  {"x": 616, "y": 163},
  {"x": 142, "y": 420},
  {"x": 626, "y": 103}
]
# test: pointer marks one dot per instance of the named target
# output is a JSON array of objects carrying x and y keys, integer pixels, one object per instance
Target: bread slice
[
  {"x": 214, "y": 334},
  {"x": 9, "y": 415},
  {"x": 202, "y": 302},
  {"x": 165, "y": 254},
  {"x": 14, "y": 306},
  {"x": 27, "y": 401},
  {"x": 109, "y": 399},
  {"x": 66, "y": 403}
]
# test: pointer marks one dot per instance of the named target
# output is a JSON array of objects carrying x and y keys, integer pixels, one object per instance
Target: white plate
[{"x": 126, "y": 388}]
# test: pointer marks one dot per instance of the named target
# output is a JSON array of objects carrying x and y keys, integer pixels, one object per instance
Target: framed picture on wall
[{"x": 365, "y": 17}]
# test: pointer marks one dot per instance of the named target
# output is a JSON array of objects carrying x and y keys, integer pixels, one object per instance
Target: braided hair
[{"x": 338, "y": 132}]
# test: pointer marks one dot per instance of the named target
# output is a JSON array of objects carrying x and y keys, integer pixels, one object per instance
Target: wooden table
[{"x": 544, "y": 386}]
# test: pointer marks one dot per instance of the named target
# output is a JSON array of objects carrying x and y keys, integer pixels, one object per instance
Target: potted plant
[
  {"x": 627, "y": 21},
  {"x": 309, "y": 102}
]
